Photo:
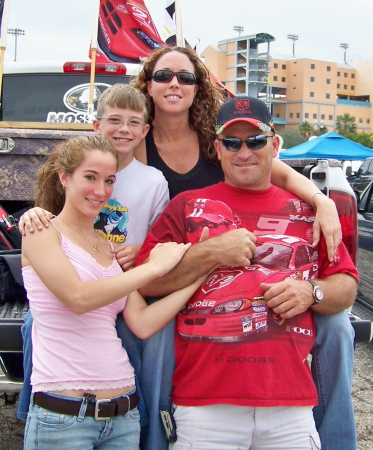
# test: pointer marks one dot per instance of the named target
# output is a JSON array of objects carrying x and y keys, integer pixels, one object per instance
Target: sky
[{"x": 62, "y": 29}]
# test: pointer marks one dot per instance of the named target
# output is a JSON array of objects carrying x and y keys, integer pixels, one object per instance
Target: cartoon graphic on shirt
[{"x": 113, "y": 222}]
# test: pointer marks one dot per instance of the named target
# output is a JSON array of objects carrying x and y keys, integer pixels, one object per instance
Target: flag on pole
[
  {"x": 126, "y": 32},
  {"x": 169, "y": 27},
  {"x": 4, "y": 10},
  {"x": 173, "y": 26},
  {"x": 4, "y": 14}
]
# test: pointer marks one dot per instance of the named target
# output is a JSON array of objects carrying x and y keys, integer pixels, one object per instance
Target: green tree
[
  {"x": 291, "y": 138},
  {"x": 345, "y": 124},
  {"x": 321, "y": 130},
  {"x": 365, "y": 139},
  {"x": 306, "y": 129}
]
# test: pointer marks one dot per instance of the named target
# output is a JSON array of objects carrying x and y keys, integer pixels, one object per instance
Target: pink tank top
[{"x": 73, "y": 351}]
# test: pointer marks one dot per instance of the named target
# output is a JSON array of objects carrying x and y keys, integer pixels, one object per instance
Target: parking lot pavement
[
  {"x": 11, "y": 430},
  {"x": 362, "y": 393}
]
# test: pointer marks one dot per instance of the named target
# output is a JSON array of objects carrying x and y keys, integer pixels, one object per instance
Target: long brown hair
[
  {"x": 66, "y": 158},
  {"x": 206, "y": 104}
]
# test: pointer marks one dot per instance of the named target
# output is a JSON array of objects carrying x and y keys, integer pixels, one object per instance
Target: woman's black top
[{"x": 204, "y": 173}]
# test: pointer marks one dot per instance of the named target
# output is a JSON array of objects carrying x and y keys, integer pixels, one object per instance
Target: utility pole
[
  {"x": 293, "y": 37},
  {"x": 16, "y": 32},
  {"x": 345, "y": 46},
  {"x": 238, "y": 28}
]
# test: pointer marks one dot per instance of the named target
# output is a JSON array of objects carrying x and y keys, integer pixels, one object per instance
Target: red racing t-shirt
[{"x": 230, "y": 347}]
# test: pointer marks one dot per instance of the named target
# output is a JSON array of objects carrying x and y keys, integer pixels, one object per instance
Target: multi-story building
[{"x": 295, "y": 89}]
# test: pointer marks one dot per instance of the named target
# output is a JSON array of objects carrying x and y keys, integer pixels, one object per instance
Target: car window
[
  {"x": 301, "y": 256},
  {"x": 30, "y": 97},
  {"x": 370, "y": 205},
  {"x": 313, "y": 254},
  {"x": 370, "y": 169},
  {"x": 272, "y": 256}
]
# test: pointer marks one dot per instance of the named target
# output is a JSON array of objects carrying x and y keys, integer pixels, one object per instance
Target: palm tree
[
  {"x": 345, "y": 124},
  {"x": 306, "y": 129}
]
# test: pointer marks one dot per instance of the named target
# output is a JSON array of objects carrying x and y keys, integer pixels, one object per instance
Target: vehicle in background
[
  {"x": 328, "y": 176},
  {"x": 364, "y": 305},
  {"x": 362, "y": 177},
  {"x": 43, "y": 103}
]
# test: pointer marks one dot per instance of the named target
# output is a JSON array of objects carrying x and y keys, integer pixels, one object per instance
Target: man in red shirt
[{"x": 242, "y": 378}]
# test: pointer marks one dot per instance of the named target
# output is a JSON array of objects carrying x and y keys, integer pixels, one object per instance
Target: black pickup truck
[{"x": 362, "y": 177}]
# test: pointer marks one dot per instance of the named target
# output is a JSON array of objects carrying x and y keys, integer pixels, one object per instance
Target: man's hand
[
  {"x": 126, "y": 255},
  {"x": 288, "y": 298},
  {"x": 234, "y": 248},
  {"x": 291, "y": 297}
]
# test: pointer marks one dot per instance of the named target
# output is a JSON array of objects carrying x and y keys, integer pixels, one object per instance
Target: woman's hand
[
  {"x": 34, "y": 218},
  {"x": 166, "y": 256},
  {"x": 327, "y": 222}
]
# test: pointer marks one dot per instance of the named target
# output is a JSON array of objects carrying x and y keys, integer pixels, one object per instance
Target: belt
[{"x": 99, "y": 409}]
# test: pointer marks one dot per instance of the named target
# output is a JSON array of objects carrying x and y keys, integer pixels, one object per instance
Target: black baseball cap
[{"x": 244, "y": 109}]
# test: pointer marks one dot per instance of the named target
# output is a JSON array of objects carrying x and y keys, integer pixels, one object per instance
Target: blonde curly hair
[{"x": 206, "y": 103}]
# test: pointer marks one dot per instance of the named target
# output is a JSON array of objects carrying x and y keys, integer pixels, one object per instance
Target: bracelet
[{"x": 315, "y": 193}]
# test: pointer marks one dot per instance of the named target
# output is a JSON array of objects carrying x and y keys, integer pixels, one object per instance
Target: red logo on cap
[{"x": 242, "y": 104}]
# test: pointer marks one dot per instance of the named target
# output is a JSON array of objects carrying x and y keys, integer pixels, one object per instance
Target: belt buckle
[{"x": 97, "y": 409}]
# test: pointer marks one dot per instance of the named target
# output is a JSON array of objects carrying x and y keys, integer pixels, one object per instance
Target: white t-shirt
[{"x": 140, "y": 194}]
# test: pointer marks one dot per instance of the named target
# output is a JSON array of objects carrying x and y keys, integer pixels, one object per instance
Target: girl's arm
[
  {"x": 44, "y": 253},
  {"x": 326, "y": 220},
  {"x": 144, "y": 320}
]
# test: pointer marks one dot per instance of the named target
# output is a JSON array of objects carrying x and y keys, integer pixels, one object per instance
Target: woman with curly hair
[{"x": 183, "y": 111}]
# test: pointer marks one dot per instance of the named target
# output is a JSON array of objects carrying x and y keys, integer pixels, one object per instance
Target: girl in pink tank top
[{"x": 81, "y": 373}]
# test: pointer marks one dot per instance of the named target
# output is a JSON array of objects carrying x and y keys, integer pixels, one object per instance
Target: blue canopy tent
[{"x": 328, "y": 146}]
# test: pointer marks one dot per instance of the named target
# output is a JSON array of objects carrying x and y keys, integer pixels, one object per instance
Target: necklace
[{"x": 95, "y": 247}]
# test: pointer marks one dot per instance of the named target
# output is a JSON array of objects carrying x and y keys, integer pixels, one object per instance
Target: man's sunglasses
[
  {"x": 164, "y": 76},
  {"x": 233, "y": 144}
]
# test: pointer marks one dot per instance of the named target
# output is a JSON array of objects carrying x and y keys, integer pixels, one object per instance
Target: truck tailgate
[{"x": 11, "y": 320}]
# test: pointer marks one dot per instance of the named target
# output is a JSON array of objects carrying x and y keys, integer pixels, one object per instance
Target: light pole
[
  {"x": 238, "y": 28},
  {"x": 345, "y": 46},
  {"x": 16, "y": 32},
  {"x": 320, "y": 125},
  {"x": 293, "y": 37}
]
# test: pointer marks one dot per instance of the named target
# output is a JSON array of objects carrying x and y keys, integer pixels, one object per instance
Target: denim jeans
[
  {"x": 24, "y": 398},
  {"x": 332, "y": 367},
  {"x": 46, "y": 430}
]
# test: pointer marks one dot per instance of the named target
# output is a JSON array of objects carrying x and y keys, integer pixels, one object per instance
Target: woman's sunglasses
[
  {"x": 233, "y": 144},
  {"x": 164, "y": 76}
]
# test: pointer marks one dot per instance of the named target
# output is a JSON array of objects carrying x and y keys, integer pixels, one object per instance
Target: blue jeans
[
  {"x": 45, "y": 430},
  {"x": 24, "y": 398},
  {"x": 129, "y": 341},
  {"x": 332, "y": 367}
]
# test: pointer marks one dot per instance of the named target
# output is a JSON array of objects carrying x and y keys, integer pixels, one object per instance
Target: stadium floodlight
[
  {"x": 16, "y": 32},
  {"x": 293, "y": 37}
]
